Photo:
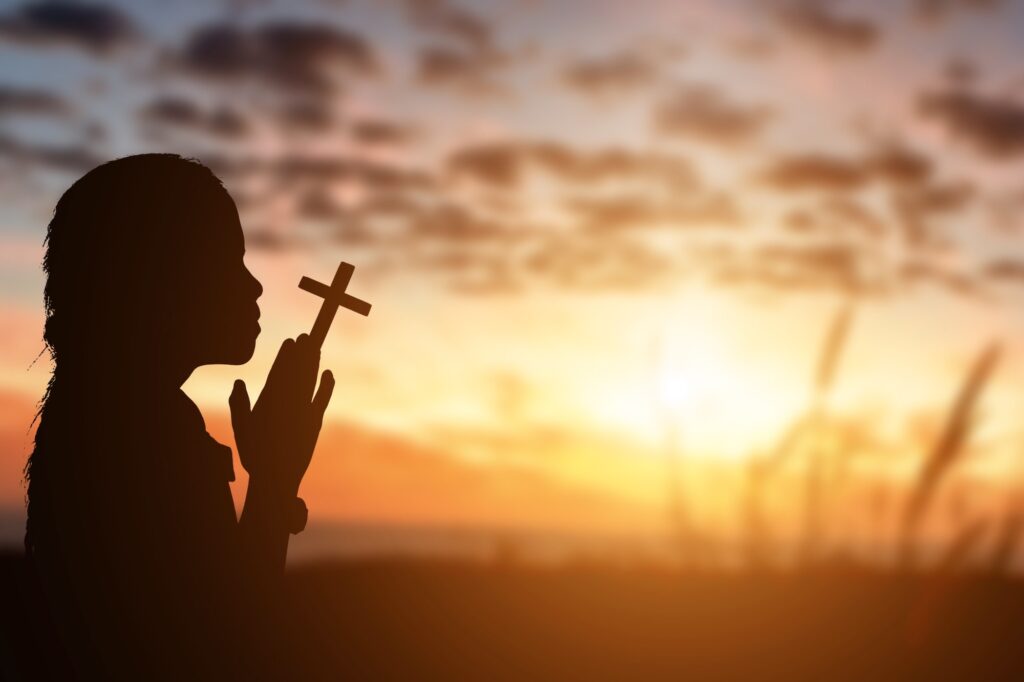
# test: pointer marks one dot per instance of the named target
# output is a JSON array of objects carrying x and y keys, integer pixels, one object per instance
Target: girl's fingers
[
  {"x": 281, "y": 368},
  {"x": 323, "y": 397},
  {"x": 307, "y": 364},
  {"x": 240, "y": 409}
]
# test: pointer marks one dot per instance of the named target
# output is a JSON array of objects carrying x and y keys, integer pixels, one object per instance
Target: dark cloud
[
  {"x": 450, "y": 21},
  {"x": 15, "y": 100},
  {"x": 292, "y": 56},
  {"x": 314, "y": 184},
  {"x": 450, "y": 222},
  {"x": 993, "y": 126},
  {"x": 916, "y": 209},
  {"x": 936, "y": 10},
  {"x": 814, "y": 22},
  {"x": 921, "y": 271},
  {"x": 704, "y": 113},
  {"x": 814, "y": 265},
  {"x": 599, "y": 264},
  {"x": 894, "y": 165},
  {"x": 682, "y": 212},
  {"x": 310, "y": 115},
  {"x": 266, "y": 239},
  {"x": 753, "y": 47},
  {"x": 95, "y": 28},
  {"x": 504, "y": 164},
  {"x": 437, "y": 221},
  {"x": 791, "y": 267},
  {"x": 179, "y": 112},
  {"x": 1005, "y": 210},
  {"x": 369, "y": 175},
  {"x": 945, "y": 197},
  {"x": 464, "y": 57},
  {"x": 836, "y": 217},
  {"x": 1005, "y": 271},
  {"x": 808, "y": 266},
  {"x": 373, "y": 131},
  {"x": 616, "y": 74},
  {"x": 816, "y": 172},
  {"x": 899, "y": 166},
  {"x": 72, "y": 158},
  {"x": 319, "y": 204},
  {"x": 466, "y": 71},
  {"x": 961, "y": 72}
]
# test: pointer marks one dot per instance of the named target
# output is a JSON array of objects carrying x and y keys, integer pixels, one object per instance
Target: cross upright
[{"x": 334, "y": 296}]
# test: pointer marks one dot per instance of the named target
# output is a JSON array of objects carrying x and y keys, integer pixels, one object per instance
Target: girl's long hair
[{"x": 108, "y": 239}]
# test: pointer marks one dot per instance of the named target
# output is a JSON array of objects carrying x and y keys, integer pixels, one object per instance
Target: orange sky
[{"x": 579, "y": 239}]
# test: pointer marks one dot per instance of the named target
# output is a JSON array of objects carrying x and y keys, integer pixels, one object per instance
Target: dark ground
[{"x": 461, "y": 621}]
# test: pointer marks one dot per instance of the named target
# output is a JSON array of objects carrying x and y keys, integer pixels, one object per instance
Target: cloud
[
  {"x": 704, "y": 113},
  {"x": 615, "y": 74},
  {"x": 31, "y": 101},
  {"x": 1005, "y": 271},
  {"x": 174, "y": 111},
  {"x": 915, "y": 208},
  {"x": 75, "y": 159},
  {"x": 899, "y": 165},
  {"x": 456, "y": 23},
  {"x": 436, "y": 221},
  {"x": 813, "y": 22},
  {"x": 815, "y": 172},
  {"x": 992, "y": 126},
  {"x": 814, "y": 265},
  {"x": 371, "y": 176},
  {"x": 451, "y": 222},
  {"x": 300, "y": 169},
  {"x": 95, "y": 28},
  {"x": 464, "y": 57},
  {"x": 375, "y": 131},
  {"x": 504, "y": 165},
  {"x": 915, "y": 199},
  {"x": 265, "y": 239},
  {"x": 636, "y": 212},
  {"x": 835, "y": 217},
  {"x": 292, "y": 56},
  {"x": 893, "y": 165},
  {"x": 309, "y": 114},
  {"x": 934, "y": 11},
  {"x": 791, "y": 267},
  {"x": 851, "y": 268},
  {"x": 598, "y": 264},
  {"x": 319, "y": 204},
  {"x": 466, "y": 71},
  {"x": 919, "y": 270}
]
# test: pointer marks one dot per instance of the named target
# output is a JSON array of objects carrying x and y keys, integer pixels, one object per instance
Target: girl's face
[{"x": 215, "y": 303}]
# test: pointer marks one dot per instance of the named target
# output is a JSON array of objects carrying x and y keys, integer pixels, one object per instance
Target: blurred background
[{"x": 704, "y": 283}]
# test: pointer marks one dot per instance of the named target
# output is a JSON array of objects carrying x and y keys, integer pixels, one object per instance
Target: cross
[{"x": 334, "y": 296}]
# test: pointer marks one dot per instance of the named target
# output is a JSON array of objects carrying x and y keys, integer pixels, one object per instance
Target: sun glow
[{"x": 700, "y": 395}]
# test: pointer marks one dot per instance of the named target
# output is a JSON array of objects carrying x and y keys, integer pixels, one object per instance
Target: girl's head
[{"x": 144, "y": 264}]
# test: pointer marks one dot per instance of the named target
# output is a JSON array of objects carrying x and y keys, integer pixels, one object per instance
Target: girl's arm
[{"x": 275, "y": 441}]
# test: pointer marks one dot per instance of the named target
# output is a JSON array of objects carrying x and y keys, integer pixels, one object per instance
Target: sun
[{"x": 712, "y": 397}]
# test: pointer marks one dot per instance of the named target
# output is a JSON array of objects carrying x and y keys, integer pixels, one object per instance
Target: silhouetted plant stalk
[
  {"x": 965, "y": 543},
  {"x": 807, "y": 427},
  {"x": 680, "y": 526},
  {"x": 679, "y": 517},
  {"x": 759, "y": 471},
  {"x": 948, "y": 449},
  {"x": 814, "y": 522},
  {"x": 1007, "y": 542}
]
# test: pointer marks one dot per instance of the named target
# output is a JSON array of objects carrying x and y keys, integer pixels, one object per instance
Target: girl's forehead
[{"x": 218, "y": 222}]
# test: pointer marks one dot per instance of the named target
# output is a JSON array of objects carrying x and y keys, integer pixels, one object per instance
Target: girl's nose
[{"x": 257, "y": 287}]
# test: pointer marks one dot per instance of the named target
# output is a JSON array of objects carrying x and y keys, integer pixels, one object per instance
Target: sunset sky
[{"x": 594, "y": 234}]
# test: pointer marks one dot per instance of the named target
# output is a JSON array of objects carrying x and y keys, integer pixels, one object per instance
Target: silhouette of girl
[{"x": 144, "y": 569}]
